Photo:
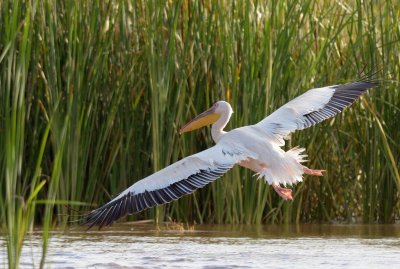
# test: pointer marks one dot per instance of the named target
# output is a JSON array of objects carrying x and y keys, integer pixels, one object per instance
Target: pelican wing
[
  {"x": 312, "y": 107},
  {"x": 168, "y": 184}
]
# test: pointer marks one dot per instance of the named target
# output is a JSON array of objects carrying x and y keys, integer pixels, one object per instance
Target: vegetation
[{"x": 92, "y": 94}]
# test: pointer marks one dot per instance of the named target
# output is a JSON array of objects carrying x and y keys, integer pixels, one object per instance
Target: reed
[{"x": 93, "y": 93}]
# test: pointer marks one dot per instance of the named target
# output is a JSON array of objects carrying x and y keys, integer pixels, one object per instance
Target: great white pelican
[{"x": 256, "y": 147}]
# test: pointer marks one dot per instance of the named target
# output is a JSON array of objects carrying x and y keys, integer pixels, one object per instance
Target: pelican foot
[
  {"x": 286, "y": 194},
  {"x": 312, "y": 172}
]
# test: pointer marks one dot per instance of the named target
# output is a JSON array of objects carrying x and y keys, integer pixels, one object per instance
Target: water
[{"x": 219, "y": 246}]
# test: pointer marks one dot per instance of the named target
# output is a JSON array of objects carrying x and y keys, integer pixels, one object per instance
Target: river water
[{"x": 218, "y": 246}]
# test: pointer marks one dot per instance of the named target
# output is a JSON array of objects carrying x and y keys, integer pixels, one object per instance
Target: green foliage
[{"x": 92, "y": 94}]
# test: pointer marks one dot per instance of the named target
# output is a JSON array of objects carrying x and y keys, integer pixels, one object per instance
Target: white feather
[
  {"x": 289, "y": 117},
  {"x": 208, "y": 159}
]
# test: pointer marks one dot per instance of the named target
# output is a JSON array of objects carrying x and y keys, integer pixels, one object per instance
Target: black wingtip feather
[
  {"x": 343, "y": 96},
  {"x": 372, "y": 77}
]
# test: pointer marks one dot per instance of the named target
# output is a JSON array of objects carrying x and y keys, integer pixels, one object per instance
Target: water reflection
[
  {"x": 255, "y": 231},
  {"x": 222, "y": 246}
]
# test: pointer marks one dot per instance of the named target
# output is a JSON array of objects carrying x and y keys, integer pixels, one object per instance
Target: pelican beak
[{"x": 207, "y": 117}]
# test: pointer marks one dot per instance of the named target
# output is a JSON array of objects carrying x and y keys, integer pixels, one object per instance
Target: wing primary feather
[
  {"x": 191, "y": 185},
  {"x": 115, "y": 213},
  {"x": 149, "y": 198},
  {"x": 130, "y": 203},
  {"x": 135, "y": 204},
  {"x": 146, "y": 202},
  {"x": 333, "y": 109},
  {"x": 318, "y": 117},
  {"x": 185, "y": 189},
  {"x": 170, "y": 194},
  {"x": 97, "y": 216},
  {"x": 124, "y": 205},
  {"x": 312, "y": 119},
  {"x": 325, "y": 113},
  {"x": 178, "y": 191},
  {"x": 163, "y": 196},
  {"x": 91, "y": 220},
  {"x": 119, "y": 209},
  {"x": 140, "y": 202},
  {"x": 108, "y": 218},
  {"x": 346, "y": 94},
  {"x": 341, "y": 103},
  {"x": 196, "y": 181},
  {"x": 211, "y": 173},
  {"x": 103, "y": 219},
  {"x": 203, "y": 178},
  {"x": 156, "y": 197},
  {"x": 175, "y": 195},
  {"x": 336, "y": 106},
  {"x": 308, "y": 123},
  {"x": 345, "y": 98}
]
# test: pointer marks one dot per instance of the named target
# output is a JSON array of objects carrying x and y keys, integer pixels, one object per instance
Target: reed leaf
[{"x": 93, "y": 94}]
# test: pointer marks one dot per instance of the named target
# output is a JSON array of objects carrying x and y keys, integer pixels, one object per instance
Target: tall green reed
[
  {"x": 93, "y": 96},
  {"x": 20, "y": 169}
]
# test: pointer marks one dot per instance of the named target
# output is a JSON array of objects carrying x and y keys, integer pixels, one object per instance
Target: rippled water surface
[{"x": 218, "y": 246}]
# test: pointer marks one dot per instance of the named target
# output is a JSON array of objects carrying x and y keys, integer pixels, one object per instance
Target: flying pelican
[{"x": 256, "y": 147}]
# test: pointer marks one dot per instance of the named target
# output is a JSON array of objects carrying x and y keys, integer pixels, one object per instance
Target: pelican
[{"x": 256, "y": 147}]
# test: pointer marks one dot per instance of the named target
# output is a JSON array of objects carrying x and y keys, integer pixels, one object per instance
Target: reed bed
[{"x": 93, "y": 93}]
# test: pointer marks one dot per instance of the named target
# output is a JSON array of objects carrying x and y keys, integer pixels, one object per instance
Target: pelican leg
[
  {"x": 312, "y": 172},
  {"x": 286, "y": 194}
]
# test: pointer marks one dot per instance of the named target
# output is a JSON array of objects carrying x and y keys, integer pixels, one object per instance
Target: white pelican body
[{"x": 257, "y": 147}]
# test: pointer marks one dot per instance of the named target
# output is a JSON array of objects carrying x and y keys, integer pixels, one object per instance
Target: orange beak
[{"x": 207, "y": 117}]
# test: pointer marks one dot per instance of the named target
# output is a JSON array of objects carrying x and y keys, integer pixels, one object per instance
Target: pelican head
[{"x": 210, "y": 116}]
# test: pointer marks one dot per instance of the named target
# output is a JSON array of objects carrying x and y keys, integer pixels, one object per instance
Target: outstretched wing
[
  {"x": 312, "y": 107},
  {"x": 168, "y": 184}
]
